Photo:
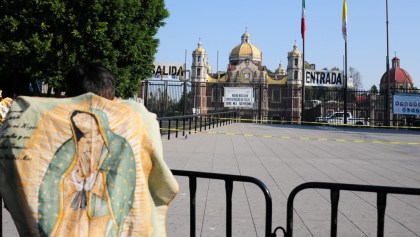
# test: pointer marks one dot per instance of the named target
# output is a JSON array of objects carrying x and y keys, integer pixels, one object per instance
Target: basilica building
[
  {"x": 273, "y": 95},
  {"x": 246, "y": 66},
  {"x": 277, "y": 95}
]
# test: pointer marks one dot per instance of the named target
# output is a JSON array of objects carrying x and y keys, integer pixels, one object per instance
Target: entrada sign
[{"x": 324, "y": 78}]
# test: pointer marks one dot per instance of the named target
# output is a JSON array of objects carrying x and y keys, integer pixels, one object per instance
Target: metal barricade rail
[
  {"x": 229, "y": 179},
  {"x": 194, "y": 123},
  {"x": 335, "y": 189}
]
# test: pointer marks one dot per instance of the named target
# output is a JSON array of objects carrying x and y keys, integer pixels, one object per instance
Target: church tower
[
  {"x": 294, "y": 67},
  {"x": 199, "y": 66},
  {"x": 294, "y": 79}
]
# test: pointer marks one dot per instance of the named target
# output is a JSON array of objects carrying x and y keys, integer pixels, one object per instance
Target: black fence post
[
  {"x": 381, "y": 202},
  {"x": 176, "y": 129},
  {"x": 183, "y": 126},
  {"x": 193, "y": 190},
  {"x": 205, "y": 122},
  {"x": 229, "y": 190},
  {"x": 210, "y": 120},
  {"x": 195, "y": 124},
  {"x": 185, "y": 98},
  {"x": 169, "y": 129},
  {"x": 335, "y": 195}
]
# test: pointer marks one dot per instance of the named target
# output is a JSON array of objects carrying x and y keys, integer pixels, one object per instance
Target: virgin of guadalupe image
[{"x": 88, "y": 188}]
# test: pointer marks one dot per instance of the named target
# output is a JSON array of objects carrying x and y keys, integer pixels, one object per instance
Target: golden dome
[
  {"x": 295, "y": 50},
  {"x": 199, "y": 48},
  {"x": 245, "y": 50}
]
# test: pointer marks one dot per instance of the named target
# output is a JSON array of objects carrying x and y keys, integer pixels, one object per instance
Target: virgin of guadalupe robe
[
  {"x": 37, "y": 149},
  {"x": 101, "y": 216}
]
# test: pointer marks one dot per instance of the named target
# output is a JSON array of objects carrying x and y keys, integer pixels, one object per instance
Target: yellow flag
[{"x": 344, "y": 27}]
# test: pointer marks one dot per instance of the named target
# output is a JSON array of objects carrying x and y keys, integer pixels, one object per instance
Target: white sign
[
  {"x": 239, "y": 97},
  {"x": 324, "y": 78},
  {"x": 406, "y": 104},
  {"x": 168, "y": 71}
]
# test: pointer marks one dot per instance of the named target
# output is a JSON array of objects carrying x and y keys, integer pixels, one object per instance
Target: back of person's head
[{"x": 90, "y": 78}]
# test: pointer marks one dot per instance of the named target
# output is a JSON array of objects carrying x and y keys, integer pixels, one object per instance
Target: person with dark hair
[
  {"x": 90, "y": 77},
  {"x": 85, "y": 165}
]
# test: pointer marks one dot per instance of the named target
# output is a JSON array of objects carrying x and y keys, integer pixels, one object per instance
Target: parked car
[{"x": 338, "y": 118}]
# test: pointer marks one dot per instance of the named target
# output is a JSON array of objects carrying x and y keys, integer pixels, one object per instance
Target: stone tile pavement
[{"x": 284, "y": 156}]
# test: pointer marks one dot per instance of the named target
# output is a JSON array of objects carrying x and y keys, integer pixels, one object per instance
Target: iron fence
[
  {"x": 229, "y": 179},
  {"x": 335, "y": 188},
  {"x": 194, "y": 123},
  {"x": 273, "y": 103}
]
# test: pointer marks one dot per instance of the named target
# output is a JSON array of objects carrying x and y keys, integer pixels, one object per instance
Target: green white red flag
[{"x": 303, "y": 23}]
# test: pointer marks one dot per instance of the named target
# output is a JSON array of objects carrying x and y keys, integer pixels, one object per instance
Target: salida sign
[
  {"x": 165, "y": 71},
  {"x": 324, "y": 78}
]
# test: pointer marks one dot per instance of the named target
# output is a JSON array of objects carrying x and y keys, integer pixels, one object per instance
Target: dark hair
[{"x": 90, "y": 78}]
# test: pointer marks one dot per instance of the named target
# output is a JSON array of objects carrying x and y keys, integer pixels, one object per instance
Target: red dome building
[{"x": 399, "y": 78}]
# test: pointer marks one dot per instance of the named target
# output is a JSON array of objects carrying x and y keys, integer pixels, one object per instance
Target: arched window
[
  {"x": 199, "y": 59},
  {"x": 198, "y": 72},
  {"x": 295, "y": 76},
  {"x": 296, "y": 62}
]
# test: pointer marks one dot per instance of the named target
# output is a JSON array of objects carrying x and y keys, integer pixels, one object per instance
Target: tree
[
  {"x": 357, "y": 78},
  {"x": 40, "y": 40},
  {"x": 374, "y": 89}
]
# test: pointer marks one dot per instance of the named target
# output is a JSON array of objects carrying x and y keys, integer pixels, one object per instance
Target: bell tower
[
  {"x": 294, "y": 67},
  {"x": 199, "y": 64}
]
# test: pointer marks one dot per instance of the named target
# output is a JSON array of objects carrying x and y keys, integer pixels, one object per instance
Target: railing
[
  {"x": 335, "y": 188},
  {"x": 199, "y": 122},
  {"x": 229, "y": 179}
]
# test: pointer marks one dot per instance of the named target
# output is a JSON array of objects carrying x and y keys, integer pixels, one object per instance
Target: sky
[{"x": 274, "y": 27}]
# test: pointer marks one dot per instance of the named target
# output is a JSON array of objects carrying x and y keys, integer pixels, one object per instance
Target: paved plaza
[{"x": 284, "y": 156}]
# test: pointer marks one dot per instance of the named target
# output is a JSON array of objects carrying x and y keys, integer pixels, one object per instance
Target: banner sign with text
[
  {"x": 239, "y": 97},
  {"x": 406, "y": 104},
  {"x": 168, "y": 71},
  {"x": 324, "y": 78}
]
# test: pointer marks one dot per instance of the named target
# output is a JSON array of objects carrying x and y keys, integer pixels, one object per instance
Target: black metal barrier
[
  {"x": 229, "y": 179},
  {"x": 335, "y": 188},
  {"x": 194, "y": 122}
]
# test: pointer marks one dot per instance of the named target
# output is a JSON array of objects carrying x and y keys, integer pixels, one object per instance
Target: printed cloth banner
[{"x": 84, "y": 166}]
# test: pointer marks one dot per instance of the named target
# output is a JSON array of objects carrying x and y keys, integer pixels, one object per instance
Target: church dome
[
  {"x": 295, "y": 51},
  {"x": 245, "y": 51},
  {"x": 199, "y": 48},
  {"x": 398, "y": 76}
]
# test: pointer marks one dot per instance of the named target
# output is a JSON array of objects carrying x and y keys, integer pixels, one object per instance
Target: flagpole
[
  {"x": 387, "y": 116},
  {"x": 344, "y": 29},
  {"x": 303, "y": 29},
  {"x": 345, "y": 82},
  {"x": 303, "y": 80}
]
